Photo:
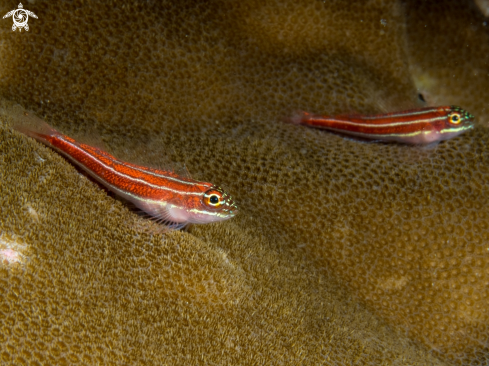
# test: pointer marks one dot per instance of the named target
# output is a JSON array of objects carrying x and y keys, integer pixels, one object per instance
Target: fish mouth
[
  {"x": 232, "y": 208},
  {"x": 469, "y": 124},
  {"x": 233, "y": 212}
]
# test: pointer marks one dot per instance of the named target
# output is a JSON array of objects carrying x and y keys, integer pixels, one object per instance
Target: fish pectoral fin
[
  {"x": 159, "y": 213},
  {"x": 156, "y": 223},
  {"x": 164, "y": 217}
]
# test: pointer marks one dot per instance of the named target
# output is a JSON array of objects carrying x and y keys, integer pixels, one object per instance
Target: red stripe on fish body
[
  {"x": 163, "y": 194},
  {"x": 140, "y": 181},
  {"x": 415, "y": 126}
]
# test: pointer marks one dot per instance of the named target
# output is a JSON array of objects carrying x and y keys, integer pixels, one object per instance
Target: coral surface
[
  {"x": 343, "y": 252},
  {"x": 450, "y": 57}
]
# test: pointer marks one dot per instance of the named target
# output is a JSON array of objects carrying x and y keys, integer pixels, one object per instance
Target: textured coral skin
[
  {"x": 439, "y": 52},
  {"x": 93, "y": 290},
  {"x": 324, "y": 220}
]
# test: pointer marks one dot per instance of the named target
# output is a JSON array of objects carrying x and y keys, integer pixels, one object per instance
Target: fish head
[
  {"x": 214, "y": 205},
  {"x": 458, "y": 121}
]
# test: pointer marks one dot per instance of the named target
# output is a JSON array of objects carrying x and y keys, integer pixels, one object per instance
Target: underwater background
[{"x": 343, "y": 253}]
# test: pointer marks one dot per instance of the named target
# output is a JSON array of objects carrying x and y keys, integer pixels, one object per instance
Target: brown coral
[
  {"x": 91, "y": 290},
  {"x": 205, "y": 84},
  {"x": 450, "y": 56}
]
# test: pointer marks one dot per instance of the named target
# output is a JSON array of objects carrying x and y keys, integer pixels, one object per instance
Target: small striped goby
[
  {"x": 168, "y": 197},
  {"x": 416, "y": 126}
]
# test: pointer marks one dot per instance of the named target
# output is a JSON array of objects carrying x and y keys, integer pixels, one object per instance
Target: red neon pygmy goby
[
  {"x": 416, "y": 126},
  {"x": 166, "y": 196}
]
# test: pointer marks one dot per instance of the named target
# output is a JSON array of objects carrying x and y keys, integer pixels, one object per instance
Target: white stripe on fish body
[
  {"x": 169, "y": 177},
  {"x": 126, "y": 176},
  {"x": 400, "y": 114},
  {"x": 365, "y": 124}
]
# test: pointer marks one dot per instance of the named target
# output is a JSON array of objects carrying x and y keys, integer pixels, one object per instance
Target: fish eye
[
  {"x": 455, "y": 118},
  {"x": 213, "y": 198}
]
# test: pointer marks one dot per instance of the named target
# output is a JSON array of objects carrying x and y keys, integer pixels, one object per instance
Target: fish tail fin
[
  {"x": 30, "y": 125},
  {"x": 298, "y": 117}
]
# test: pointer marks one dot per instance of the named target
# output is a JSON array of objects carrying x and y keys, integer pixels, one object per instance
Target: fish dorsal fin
[
  {"x": 181, "y": 171},
  {"x": 89, "y": 136},
  {"x": 151, "y": 156}
]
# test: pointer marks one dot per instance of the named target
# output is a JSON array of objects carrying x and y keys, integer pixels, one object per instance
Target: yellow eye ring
[
  {"x": 455, "y": 118},
  {"x": 213, "y": 198}
]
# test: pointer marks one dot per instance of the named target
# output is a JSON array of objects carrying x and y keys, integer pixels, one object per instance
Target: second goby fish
[
  {"x": 162, "y": 194},
  {"x": 416, "y": 126}
]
